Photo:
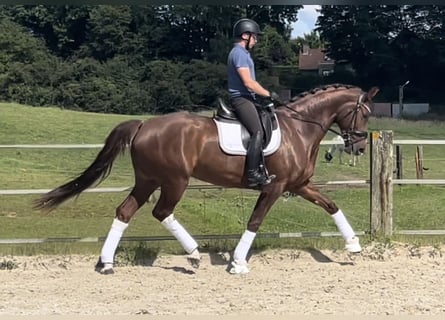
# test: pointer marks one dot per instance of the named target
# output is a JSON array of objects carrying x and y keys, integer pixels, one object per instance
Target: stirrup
[{"x": 262, "y": 180}]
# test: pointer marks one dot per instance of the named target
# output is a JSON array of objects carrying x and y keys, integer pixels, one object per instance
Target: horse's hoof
[
  {"x": 353, "y": 245},
  {"x": 99, "y": 265},
  {"x": 194, "y": 262},
  {"x": 239, "y": 267},
  {"x": 106, "y": 271},
  {"x": 103, "y": 268},
  {"x": 194, "y": 259}
]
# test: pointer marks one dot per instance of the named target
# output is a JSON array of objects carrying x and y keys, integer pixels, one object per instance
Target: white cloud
[{"x": 306, "y": 21}]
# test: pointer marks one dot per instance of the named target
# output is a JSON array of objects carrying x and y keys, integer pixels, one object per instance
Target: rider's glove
[{"x": 275, "y": 98}]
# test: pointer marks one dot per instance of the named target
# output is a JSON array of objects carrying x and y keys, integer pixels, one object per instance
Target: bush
[{"x": 204, "y": 82}]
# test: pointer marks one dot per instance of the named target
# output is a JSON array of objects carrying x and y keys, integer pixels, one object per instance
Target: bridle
[
  {"x": 352, "y": 131},
  {"x": 345, "y": 134}
]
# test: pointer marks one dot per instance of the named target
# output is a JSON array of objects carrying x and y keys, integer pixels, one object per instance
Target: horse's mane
[{"x": 322, "y": 88}]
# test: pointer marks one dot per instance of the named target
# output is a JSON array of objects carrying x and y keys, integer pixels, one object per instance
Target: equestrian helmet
[{"x": 245, "y": 26}]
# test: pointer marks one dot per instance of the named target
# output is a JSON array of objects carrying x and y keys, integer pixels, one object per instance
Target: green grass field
[{"x": 203, "y": 212}]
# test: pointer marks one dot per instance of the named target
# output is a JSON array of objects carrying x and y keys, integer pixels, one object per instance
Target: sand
[{"x": 399, "y": 279}]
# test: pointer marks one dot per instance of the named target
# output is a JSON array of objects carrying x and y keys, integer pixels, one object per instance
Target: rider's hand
[{"x": 275, "y": 98}]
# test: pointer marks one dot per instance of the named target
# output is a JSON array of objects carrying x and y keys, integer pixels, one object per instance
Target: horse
[
  {"x": 167, "y": 150},
  {"x": 338, "y": 145}
]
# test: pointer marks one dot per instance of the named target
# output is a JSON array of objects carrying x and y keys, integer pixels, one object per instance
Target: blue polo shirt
[{"x": 239, "y": 57}]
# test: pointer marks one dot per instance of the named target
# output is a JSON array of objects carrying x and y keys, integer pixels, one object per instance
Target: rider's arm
[{"x": 251, "y": 84}]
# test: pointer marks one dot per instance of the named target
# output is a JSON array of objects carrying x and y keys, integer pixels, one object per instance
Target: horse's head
[
  {"x": 353, "y": 122},
  {"x": 347, "y": 106}
]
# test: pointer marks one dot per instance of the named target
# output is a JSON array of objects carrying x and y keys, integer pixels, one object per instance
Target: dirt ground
[{"x": 395, "y": 280}]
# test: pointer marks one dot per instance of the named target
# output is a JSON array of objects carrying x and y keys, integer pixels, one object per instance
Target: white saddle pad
[{"x": 229, "y": 136}]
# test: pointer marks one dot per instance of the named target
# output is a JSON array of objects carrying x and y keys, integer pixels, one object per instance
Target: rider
[{"x": 243, "y": 88}]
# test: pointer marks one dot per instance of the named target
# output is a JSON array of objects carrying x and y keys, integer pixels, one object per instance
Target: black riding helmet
[{"x": 246, "y": 26}]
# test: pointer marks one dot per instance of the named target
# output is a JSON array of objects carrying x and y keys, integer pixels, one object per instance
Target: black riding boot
[{"x": 256, "y": 174}]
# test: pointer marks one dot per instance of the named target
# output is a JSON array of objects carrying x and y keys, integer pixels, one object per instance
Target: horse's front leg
[
  {"x": 265, "y": 201},
  {"x": 311, "y": 194}
]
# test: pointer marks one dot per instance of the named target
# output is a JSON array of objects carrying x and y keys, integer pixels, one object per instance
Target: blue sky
[{"x": 306, "y": 21}]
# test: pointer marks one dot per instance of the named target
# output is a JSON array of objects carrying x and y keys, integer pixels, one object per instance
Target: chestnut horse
[{"x": 167, "y": 150}]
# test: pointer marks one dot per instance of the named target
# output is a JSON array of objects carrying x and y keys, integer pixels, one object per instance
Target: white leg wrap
[
  {"x": 114, "y": 236},
  {"x": 243, "y": 246},
  {"x": 343, "y": 225},
  {"x": 352, "y": 242},
  {"x": 185, "y": 239},
  {"x": 239, "y": 263}
]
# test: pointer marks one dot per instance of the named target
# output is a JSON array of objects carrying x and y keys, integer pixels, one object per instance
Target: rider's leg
[
  {"x": 248, "y": 116},
  {"x": 255, "y": 174}
]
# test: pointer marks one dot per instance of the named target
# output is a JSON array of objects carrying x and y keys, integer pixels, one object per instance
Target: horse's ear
[{"x": 372, "y": 92}]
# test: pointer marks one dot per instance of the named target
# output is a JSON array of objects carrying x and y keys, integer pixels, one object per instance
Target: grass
[{"x": 216, "y": 211}]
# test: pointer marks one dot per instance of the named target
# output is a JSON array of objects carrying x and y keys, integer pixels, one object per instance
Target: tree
[
  {"x": 26, "y": 67},
  {"x": 108, "y": 31},
  {"x": 278, "y": 17},
  {"x": 205, "y": 82},
  {"x": 353, "y": 33},
  {"x": 272, "y": 50},
  {"x": 162, "y": 79},
  {"x": 126, "y": 59},
  {"x": 62, "y": 27},
  {"x": 387, "y": 45}
]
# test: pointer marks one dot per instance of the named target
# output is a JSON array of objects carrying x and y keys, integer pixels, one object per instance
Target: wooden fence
[{"x": 380, "y": 183}]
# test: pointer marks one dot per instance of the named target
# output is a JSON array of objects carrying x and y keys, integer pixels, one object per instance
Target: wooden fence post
[
  {"x": 382, "y": 157},
  {"x": 419, "y": 162},
  {"x": 399, "y": 162}
]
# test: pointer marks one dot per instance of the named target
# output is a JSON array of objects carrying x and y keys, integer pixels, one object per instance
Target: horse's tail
[{"x": 116, "y": 143}]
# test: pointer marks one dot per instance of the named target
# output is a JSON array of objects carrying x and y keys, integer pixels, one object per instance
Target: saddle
[{"x": 234, "y": 137}]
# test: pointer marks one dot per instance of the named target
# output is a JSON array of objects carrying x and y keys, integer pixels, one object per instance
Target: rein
[
  {"x": 346, "y": 135},
  {"x": 294, "y": 116}
]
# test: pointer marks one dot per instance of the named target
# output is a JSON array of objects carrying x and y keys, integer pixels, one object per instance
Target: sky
[{"x": 306, "y": 21}]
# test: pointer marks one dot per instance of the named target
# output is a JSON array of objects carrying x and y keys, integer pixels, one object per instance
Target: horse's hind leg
[
  {"x": 171, "y": 193},
  {"x": 124, "y": 212},
  {"x": 265, "y": 201}
]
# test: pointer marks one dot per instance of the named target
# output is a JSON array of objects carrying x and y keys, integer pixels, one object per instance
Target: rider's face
[{"x": 251, "y": 38}]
